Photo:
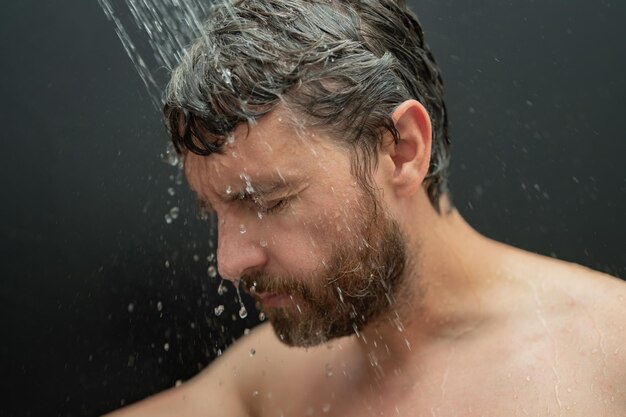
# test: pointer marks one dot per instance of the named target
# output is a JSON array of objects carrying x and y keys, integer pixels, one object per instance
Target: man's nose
[{"x": 238, "y": 249}]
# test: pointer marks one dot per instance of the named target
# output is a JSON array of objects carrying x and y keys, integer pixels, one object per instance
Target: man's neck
[{"x": 447, "y": 283}]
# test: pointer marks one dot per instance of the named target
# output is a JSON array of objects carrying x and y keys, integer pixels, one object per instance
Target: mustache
[{"x": 265, "y": 283}]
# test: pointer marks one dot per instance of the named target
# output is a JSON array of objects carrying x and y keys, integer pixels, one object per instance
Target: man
[{"x": 317, "y": 132}]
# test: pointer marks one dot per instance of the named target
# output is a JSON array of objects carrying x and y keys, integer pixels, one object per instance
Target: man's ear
[{"x": 411, "y": 155}]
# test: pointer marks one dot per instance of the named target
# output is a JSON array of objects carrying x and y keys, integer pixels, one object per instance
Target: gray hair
[{"x": 342, "y": 66}]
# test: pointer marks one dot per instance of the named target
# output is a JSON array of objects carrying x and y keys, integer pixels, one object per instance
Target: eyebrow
[{"x": 261, "y": 189}]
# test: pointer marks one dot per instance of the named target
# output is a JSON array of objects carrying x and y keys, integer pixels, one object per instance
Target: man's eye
[{"x": 274, "y": 206}]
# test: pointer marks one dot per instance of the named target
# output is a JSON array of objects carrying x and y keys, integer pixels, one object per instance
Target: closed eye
[{"x": 273, "y": 206}]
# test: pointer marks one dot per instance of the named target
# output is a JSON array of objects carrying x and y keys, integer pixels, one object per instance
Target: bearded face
[{"x": 357, "y": 286}]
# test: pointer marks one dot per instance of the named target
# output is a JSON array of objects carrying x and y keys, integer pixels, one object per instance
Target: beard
[{"x": 358, "y": 286}]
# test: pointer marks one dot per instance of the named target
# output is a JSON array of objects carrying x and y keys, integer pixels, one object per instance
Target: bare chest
[
  {"x": 462, "y": 384},
  {"x": 455, "y": 396}
]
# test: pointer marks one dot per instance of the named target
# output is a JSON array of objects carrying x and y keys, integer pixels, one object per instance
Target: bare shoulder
[
  {"x": 261, "y": 372},
  {"x": 599, "y": 306},
  {"x": 585, "y": 311},
  {"x": 590, "y": 301},
  {"x": 219, "y": 390},
  {"x": 566, "y": 287}
]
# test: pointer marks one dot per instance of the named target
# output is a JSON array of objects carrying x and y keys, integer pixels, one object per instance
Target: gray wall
[{"x": 536, "y": 93}]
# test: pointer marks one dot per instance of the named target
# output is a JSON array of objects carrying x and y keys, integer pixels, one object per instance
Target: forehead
[{"x": 276, "y": 148}]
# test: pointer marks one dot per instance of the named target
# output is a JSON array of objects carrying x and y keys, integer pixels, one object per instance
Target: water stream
[{"x": 154, "y": 34}]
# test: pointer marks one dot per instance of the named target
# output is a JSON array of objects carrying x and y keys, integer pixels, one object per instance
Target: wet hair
[{"x": 340, "y": 66}]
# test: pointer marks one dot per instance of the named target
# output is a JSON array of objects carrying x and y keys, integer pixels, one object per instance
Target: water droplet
[
  {"x": 219, "y": 310},
  {"x": 196, "y": 258},
  {"x": 174, "y": 211},
  {"x": 171, "y": 191},
  {"x": 329, "y": 370},
  {"x": 242, "y": 229},
  {"x": 326, "y": 408},
  {"x": 252, "y": 352},
  {"x": 230, "y": 139},
  {"x": 243, "y": 313},
  {"x": 166, "y": 347},
  {"x": 246, "y": 331},
  {"x": 159, "y": 306},
  {"x": 226, "y": 76},
  {"x": 259, "y": 215},
  {"x": 167, "y": 264},
  {"x": 168, "y": 218},
  {"x": 212, "y": 271},
  {"x": 221, "y": 289},
  {"x": 178, "y": 383},
  {"x": 229, "y": 190},
  {"x": 170, "y": 157},
  {"x": 246, "y": 178},
  {"x": 261, "y": 316},
  {"x": 263, "y": 243}
]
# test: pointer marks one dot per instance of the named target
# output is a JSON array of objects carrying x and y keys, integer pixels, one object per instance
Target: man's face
[{"x": 321, "y": 255}]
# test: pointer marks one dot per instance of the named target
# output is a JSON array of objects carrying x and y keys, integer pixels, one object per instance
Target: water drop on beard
[
  {"x": 242, "y": 229},
  {"x": 252, "y": 352},
  {"x": 261, "y": 316}
]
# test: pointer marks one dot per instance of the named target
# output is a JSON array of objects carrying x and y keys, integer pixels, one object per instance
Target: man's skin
[{"x": 491, "y": 330}]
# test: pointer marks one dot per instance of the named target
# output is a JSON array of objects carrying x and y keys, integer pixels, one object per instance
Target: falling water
[
  {"x": 167, "y": 26},
  {"x": 155, "y": 35}
]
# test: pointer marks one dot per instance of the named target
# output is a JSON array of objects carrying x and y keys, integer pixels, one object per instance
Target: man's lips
[{"x": 268, "y": 299}]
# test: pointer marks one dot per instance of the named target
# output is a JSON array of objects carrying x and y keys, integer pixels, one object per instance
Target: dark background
[{"x": 95, "y": 282}]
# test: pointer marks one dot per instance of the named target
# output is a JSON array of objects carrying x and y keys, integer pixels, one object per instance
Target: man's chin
[{"x": 296, "y": 330}]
